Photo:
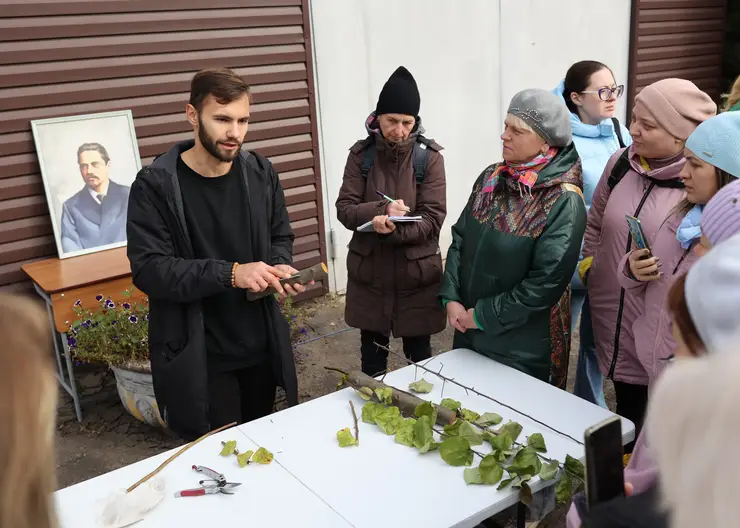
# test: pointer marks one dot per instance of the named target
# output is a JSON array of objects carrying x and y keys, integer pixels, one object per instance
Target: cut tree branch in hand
[{"x": 406, "y": 402}]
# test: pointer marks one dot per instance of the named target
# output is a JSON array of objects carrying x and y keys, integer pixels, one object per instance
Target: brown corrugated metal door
[
  {"x": 77, "y": 57},
  {"x": 677, "y": 38}
]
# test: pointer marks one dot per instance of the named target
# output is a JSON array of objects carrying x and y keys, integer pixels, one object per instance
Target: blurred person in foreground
[
  {"x": 506, "y": 285},
  {"x": 28, "y": 404}
]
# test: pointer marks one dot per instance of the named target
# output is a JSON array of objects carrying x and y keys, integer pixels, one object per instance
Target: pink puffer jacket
[
  {"x": 652, "y": 328},
  {"x": 613, "y": 310}
]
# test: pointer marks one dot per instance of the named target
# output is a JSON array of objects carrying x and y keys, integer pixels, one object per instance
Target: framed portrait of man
[{"x": 88, "y": 163}]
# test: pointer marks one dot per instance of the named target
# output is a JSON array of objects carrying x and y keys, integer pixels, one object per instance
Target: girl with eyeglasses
[{"x": 590, "y": 92}]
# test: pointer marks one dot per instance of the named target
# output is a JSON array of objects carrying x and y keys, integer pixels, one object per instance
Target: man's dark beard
[{"x": 211, "y": 146}]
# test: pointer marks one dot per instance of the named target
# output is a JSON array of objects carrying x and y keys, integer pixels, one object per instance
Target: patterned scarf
[{"x": 523, "y": 173}]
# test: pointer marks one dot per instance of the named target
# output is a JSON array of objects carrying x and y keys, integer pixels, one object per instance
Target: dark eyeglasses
[{"x": 605, "y": 93}]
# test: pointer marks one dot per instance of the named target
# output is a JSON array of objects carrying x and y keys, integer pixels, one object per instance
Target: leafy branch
[
  {"x": 468, "y": 390},
  {"x": 412, "y": 420}
]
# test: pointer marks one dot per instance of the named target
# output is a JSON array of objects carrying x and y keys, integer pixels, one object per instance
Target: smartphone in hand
[
  {"x": 638, "y": 235},
  {"x": 604, "y": 466}
]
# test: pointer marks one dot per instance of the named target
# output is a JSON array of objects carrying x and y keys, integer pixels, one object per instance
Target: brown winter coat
[{"x": 393, "y": 279}]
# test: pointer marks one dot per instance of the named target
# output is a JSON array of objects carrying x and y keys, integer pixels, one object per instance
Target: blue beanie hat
[{"x": 717, "y": 142}]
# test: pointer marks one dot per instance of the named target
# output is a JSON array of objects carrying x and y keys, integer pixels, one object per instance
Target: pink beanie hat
[
  {"x": 677, "y": 105},
  {"x": 721, "y": 216}
]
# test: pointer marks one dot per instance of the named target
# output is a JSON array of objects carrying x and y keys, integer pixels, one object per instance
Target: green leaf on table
[
  {"x": 469, "y": 415},
  {"x": 243, "y": 458},
  {"x": 385, "y": 394},
  {"x": 426, "y": 409},
  {"x": 389, "y": 419},
  {"x": 405, "y": 432},
  {"x": 519, "y": 480},
  {"x": 422, "y": 386},
  {"x": 550, "y": 470},
  {"x": 526, "y": 462},
  {"x": 513, "y": 429},
  {"x": 504, "y": 483},
  {"x": 423, "y": 433},
  {"x": 456, "y": 451},
  {"x": 488, "y": 419},
  {"x": 365, "y": 393},
  {"x": 575, "y": 467},
  {"x": 262, "y": 456},
  {"x": 449, "y": 403},
  {"x": 369, "y": 411},
  {"x": 525, "y": 494},
  {"x": 229, "y": 448},
  {"x": 500, "y": 442},
  {"x": 537, "y": 441},
  {"x": 453, "y": 429},
  {"x": 472, "y": 476},
  {"x": 490, "y": 470},
  {"x": 469, "y": 431},
  {"x": 345, "y": 438},
  {"x": 563, "y": 488},
  {"x": 429, "y": 447}
]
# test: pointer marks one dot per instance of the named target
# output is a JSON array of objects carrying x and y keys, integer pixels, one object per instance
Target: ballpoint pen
[{"x": 405, "y": 208}]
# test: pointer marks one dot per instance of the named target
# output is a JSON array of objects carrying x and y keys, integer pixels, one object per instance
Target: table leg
[
  {"x": 71, "y": 373},
  {"x": 71, "y": 385},
  {"x": 55, "y": 339},
  {"x": 521, "y": 515}
]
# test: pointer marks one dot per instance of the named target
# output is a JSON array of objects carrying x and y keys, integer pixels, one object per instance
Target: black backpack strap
[
  {"x": 419, "y": 156},
  {"x": 673, "y": 183},
  {"x": 369, "y": 157},
  {"x": 621, "y": 167},
  {"x": 618, "y": 132}
]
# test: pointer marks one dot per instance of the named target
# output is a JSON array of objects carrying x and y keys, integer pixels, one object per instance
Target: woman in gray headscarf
[{"x": 514, "y": 247}]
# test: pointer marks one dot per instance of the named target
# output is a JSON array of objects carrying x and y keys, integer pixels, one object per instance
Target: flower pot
[
  {"x": 90, "y": 377},
  {"x": 136, "y": 390}
]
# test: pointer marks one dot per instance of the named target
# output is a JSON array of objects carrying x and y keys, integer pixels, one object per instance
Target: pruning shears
[{"x": 216, "y": 483}]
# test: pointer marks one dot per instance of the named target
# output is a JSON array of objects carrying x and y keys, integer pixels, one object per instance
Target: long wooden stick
[{"x": 180, "y": 452}]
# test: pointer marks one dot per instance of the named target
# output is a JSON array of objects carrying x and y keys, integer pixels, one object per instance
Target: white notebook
[{"x": 368, "y": 227}]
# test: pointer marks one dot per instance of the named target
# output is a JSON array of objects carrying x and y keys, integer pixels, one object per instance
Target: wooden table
[{"x": 61, "y": 283}]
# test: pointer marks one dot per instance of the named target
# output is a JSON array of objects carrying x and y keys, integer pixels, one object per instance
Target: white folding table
[
  {"x": 314, "y": 483},
  {"x": 384, "y": 483},
  {"x": 268, "y": 497}
]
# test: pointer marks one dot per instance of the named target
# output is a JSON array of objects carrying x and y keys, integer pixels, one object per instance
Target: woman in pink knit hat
[
  {"x": 641, "y": 181},
  {"x": 713, "y": 161}
]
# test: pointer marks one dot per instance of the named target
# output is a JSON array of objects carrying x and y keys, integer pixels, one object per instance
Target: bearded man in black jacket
[{"x": 207, "y": 222}]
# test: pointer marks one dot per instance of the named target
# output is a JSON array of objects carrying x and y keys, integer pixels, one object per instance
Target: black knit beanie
[{"x": 399, "y": 95}]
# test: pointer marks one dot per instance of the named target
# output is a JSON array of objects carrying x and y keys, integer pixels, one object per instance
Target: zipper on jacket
[
  {"x": 615, "y": 355},
  {"x": 683, "y": 257}
]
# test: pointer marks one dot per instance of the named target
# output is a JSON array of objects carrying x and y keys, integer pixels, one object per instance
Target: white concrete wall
[{"x": 468, "y": 57}]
